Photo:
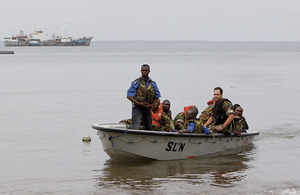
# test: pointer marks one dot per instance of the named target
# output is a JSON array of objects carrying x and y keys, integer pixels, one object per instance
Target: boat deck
[{"x": 121, "y": 128}]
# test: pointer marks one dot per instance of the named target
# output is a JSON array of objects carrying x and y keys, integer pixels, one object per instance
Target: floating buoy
[{"x": 86, "y": 138}]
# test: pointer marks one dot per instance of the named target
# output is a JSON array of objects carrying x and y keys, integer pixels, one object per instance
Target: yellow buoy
[{"x": 86, "y": 138}]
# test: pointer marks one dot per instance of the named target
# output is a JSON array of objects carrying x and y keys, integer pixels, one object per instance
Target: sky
[{"x": 156, "y": 20}]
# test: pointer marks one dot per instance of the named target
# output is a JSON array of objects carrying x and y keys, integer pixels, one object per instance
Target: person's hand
[
  {"x": 219, "y": 128},
  {"x": 181, "y": 132},
  {"x": 237, "y": 133},
  {"x": 147, "y": 105},
  {"x": 143, "y": 104}
]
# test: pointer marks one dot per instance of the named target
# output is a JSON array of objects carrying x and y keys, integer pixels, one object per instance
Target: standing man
[
  {"x": 143, "y": 93},
  {"x": 222, "y": 113}
]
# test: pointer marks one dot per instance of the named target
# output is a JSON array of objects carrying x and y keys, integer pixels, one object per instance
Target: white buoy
[{"x": 86, "y": 138}]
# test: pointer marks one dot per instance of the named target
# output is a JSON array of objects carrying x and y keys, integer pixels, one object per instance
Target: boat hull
[{"x": 123, "y": 144}]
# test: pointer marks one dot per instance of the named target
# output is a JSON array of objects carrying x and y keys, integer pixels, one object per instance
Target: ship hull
[{"x": 16, "y": 43}]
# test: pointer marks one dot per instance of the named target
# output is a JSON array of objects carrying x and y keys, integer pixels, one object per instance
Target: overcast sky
[{"x": 212, "y": 20}]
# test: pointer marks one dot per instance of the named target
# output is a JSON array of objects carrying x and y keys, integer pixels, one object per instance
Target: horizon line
[{"x": 204, "y": 41}]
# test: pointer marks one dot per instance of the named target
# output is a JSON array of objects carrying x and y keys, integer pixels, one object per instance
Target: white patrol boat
[{"x": 123, "y": 144}]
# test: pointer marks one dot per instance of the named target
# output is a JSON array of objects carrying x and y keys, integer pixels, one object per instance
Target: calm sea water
[{"x": 50, "y": 97}]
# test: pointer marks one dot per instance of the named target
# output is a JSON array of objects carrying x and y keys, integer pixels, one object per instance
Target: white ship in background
[{"x": 38, "y": 39}]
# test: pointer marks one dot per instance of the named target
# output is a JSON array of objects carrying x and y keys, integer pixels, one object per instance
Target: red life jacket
[{"x": 156, "y": 117}]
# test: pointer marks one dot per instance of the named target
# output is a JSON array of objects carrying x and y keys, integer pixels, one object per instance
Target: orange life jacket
[
  {"x": 156, "y": 117},
  {"x": 187, "y": 108},
  {"x": 211, "y": 102}
]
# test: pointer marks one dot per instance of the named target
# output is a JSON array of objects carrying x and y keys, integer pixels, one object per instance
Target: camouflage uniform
[
  {"x": 206, "y": 113},
  {"x": 179, "y": 120},
  {"x": 240, "y": 124},
  {"x": 169, "y": 114},
  {"x": 198, "y": 125},
  {"x": 127, "y": 122},
  {"x": 166, "y": 124},
  {"x": 227, "y": 108}
]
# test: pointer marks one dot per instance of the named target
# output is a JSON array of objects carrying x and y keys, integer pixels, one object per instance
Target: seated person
[
  {"x": 207, "y": 112},
  {"x": 180, "y": 118},
  {"x": 240, "y": 123},
  {"x": 222, "y": 115},
  {"x": 160, "y": 120},
  {"x": 235, "y": 106},
  {"x": 126, "y": 121},
  {"x": 192, "y": 125},
  {"x": 166, "y": 108}
]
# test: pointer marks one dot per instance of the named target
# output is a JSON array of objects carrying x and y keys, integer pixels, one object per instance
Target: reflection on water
[
  {"x": 222, "y": 170},
  {"x": 86, "y": 149}
]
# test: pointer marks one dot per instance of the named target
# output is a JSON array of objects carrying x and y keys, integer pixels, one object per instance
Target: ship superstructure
[{"x": 38, "y": 38}]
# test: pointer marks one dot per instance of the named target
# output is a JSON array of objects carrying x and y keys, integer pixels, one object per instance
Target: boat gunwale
[{"x": 105, "y": 127}]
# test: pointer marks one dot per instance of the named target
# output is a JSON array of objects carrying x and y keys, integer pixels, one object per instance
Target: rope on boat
[
  {"x": 144, "y": 138},
  {"x": 213, "y": 142},
  {"x": 154, "y": 140},
  {"x": 159, "y": 141},
  {"x": 118, "y": 136},
  {"x": 130, "y": 140},
  {"x": 166, "y": 140},
  {"x": 194, "y": 142},
  {"x": 213, "y": 134}
]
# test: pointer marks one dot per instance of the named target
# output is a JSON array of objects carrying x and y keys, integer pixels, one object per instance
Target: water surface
[{"x": 50, "y": 97}]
